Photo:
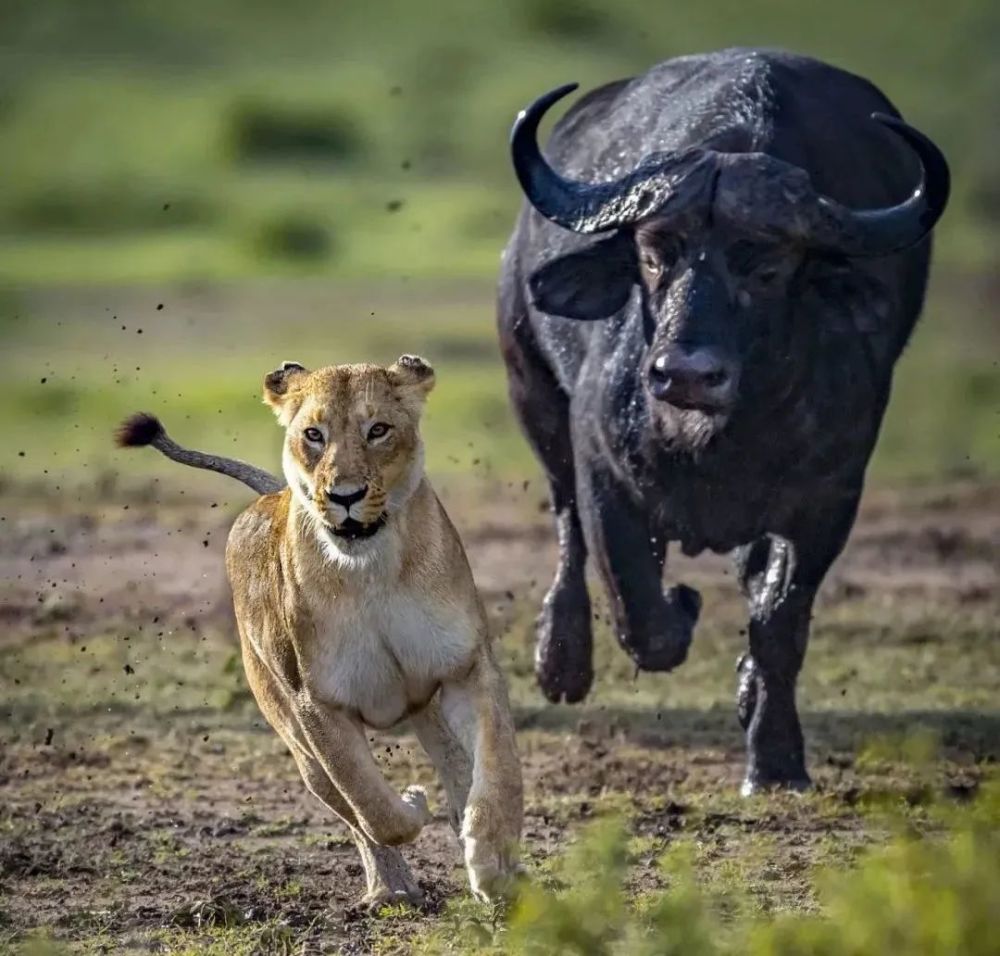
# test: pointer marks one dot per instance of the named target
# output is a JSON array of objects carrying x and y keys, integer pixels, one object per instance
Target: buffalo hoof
[
  {"x": 775, "y": 757},
  {"x": 662, "y": 643},
  {"x": 564, "y": 651},
  {"x": 755, "y": 785}
]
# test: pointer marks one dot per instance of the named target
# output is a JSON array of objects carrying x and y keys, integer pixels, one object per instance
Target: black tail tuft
[{"x": 137, "y": 430}]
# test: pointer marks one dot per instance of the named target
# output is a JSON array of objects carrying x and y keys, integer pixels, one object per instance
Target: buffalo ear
[
  {"x": 592, "y": 283},
  {"x": 845, "y": 298}
]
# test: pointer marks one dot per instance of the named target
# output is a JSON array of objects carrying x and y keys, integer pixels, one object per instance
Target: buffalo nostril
[
  {"x": 689, "y": 377},
  {"x": 660, "y": 372}
]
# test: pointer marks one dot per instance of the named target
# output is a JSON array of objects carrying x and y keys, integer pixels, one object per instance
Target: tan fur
[{"x": 339, "y": 634}]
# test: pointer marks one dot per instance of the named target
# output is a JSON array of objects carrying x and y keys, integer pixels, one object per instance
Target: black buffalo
[{"x": 700, "y": 309}]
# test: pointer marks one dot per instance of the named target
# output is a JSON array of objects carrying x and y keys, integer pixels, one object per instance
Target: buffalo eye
[
  {"x": 766, "y": 275},
  {"x": 314, "y": 435},
  {"x": 378, "y": 430},
  {"x": 658, "y": 252},
  {"x": 651, "y": 264}
]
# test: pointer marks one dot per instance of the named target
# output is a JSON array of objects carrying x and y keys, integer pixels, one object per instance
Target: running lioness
[{"x": 356, "y": 608}]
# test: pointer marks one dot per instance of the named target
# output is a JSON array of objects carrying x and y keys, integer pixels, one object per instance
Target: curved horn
[
  {"x": 881, "y": 232},
  {"x": 584, "y": 207}
]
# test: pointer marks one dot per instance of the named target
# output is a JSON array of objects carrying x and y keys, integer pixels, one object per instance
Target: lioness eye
[
  {"x": 766, "y": 275},
  {"x": 313, "y": 434},
  {"x": 378, "y": 430}
]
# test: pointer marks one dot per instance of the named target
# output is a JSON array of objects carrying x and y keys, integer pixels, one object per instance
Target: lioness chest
[{"x": 385, "y": 654}]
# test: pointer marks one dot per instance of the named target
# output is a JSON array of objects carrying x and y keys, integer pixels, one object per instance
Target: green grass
[
  {"x": 155, "y": 740},
  {"x": 199, "y": 362},
  {"x": 386, "y": 241},
  {"x": 105, "y": 119},
  {"x": 923, "y": 895},
  {"x": 184, "y": 366}
]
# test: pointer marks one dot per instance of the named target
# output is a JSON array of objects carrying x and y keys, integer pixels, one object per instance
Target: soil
[{"x": 128, "y": 823}]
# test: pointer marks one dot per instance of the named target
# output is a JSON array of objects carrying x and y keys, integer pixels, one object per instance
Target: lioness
[{"x": 356, "y": 607}]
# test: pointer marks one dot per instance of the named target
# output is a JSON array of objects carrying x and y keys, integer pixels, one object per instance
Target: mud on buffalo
[{"x": 717, "y": 267}]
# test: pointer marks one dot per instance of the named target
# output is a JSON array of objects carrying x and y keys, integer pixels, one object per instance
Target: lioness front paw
[
  {"x": 374, "y": 900},
  {"x": 496, "y": 881},
  {"x": 494, "y": 873},
  {"x": 415, "y": 797}
]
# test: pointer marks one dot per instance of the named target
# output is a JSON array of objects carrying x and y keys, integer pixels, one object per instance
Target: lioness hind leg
[{"x": 478, "y": 711}]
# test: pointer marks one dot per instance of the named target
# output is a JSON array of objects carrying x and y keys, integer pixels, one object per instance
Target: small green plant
[{"x": 931, "y": 895}]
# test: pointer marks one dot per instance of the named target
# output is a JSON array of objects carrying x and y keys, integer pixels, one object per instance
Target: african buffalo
[{"x": 700, "y": 309}]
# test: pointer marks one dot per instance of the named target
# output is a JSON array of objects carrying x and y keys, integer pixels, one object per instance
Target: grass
[
  {"x": 170, "y": 818},
  {"x": 353, "y": 163},
  {"x": 918, "y": 894},
  {"x": 75, "y": 362},
  {"x": 154, "y": 144}
]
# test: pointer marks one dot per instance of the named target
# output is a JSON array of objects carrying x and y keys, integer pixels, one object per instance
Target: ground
[
  {"x": 147, "y": 807},
  {"x": 189, "y": 200}
]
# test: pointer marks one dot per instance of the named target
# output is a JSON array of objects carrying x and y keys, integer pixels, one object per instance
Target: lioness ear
[
  {"x": 412, "y": 375},
  {"x": 279, "y": 390}
]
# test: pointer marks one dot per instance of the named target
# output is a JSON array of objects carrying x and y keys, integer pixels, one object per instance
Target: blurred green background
[{"x": 275, "y": 173}]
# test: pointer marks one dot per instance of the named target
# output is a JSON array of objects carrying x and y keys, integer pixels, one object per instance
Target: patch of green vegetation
[
  {"x": 253, "y": 939},
  {"x": 148, "y": 143},
  {"x": 933, "y": 894},
  {"x": 75, "y": 364}
]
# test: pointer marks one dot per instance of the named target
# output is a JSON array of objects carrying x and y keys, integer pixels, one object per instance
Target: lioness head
[{"x": 353, "y": 453}]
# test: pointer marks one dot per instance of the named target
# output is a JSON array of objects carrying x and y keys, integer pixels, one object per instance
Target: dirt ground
[{"x": 144, "y": 805}]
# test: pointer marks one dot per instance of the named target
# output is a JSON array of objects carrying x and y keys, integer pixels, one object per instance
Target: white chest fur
[{"x": 386, "y": 653}]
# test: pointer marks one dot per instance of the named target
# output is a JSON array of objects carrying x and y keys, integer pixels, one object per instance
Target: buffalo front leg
[
  {"x": 654, "y": 627},
  {"x": 780, "y": 576},
  {"x": 564, "y": 646}
]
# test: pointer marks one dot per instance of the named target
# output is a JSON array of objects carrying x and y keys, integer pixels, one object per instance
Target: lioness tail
[{"x": 142, "y": 429}]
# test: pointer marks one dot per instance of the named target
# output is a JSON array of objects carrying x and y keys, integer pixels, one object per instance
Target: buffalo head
[{"x": 718, "y": 245}]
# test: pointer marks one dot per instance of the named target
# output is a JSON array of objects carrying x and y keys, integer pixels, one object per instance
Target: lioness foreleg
[
  {"x": 478, "y": 711},
  {"x": 339, "y": 745},
  {"x": 388, "y": 879},
  {"x": 449, "y": 755},
  {"x": 387, "y": 876}
]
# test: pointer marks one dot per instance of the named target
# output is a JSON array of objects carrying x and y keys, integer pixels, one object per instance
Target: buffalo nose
[
  {"x": 692, "y": 378},
  {"x": 341, "y": 496}
]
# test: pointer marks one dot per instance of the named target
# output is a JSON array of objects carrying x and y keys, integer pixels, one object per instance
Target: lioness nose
[
  {"x": 340, "y": 495},
  {"x": 692, "y": 377}
]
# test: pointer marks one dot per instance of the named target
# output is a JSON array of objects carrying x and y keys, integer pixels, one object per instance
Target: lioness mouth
[{"x": 352, "y": 528}]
